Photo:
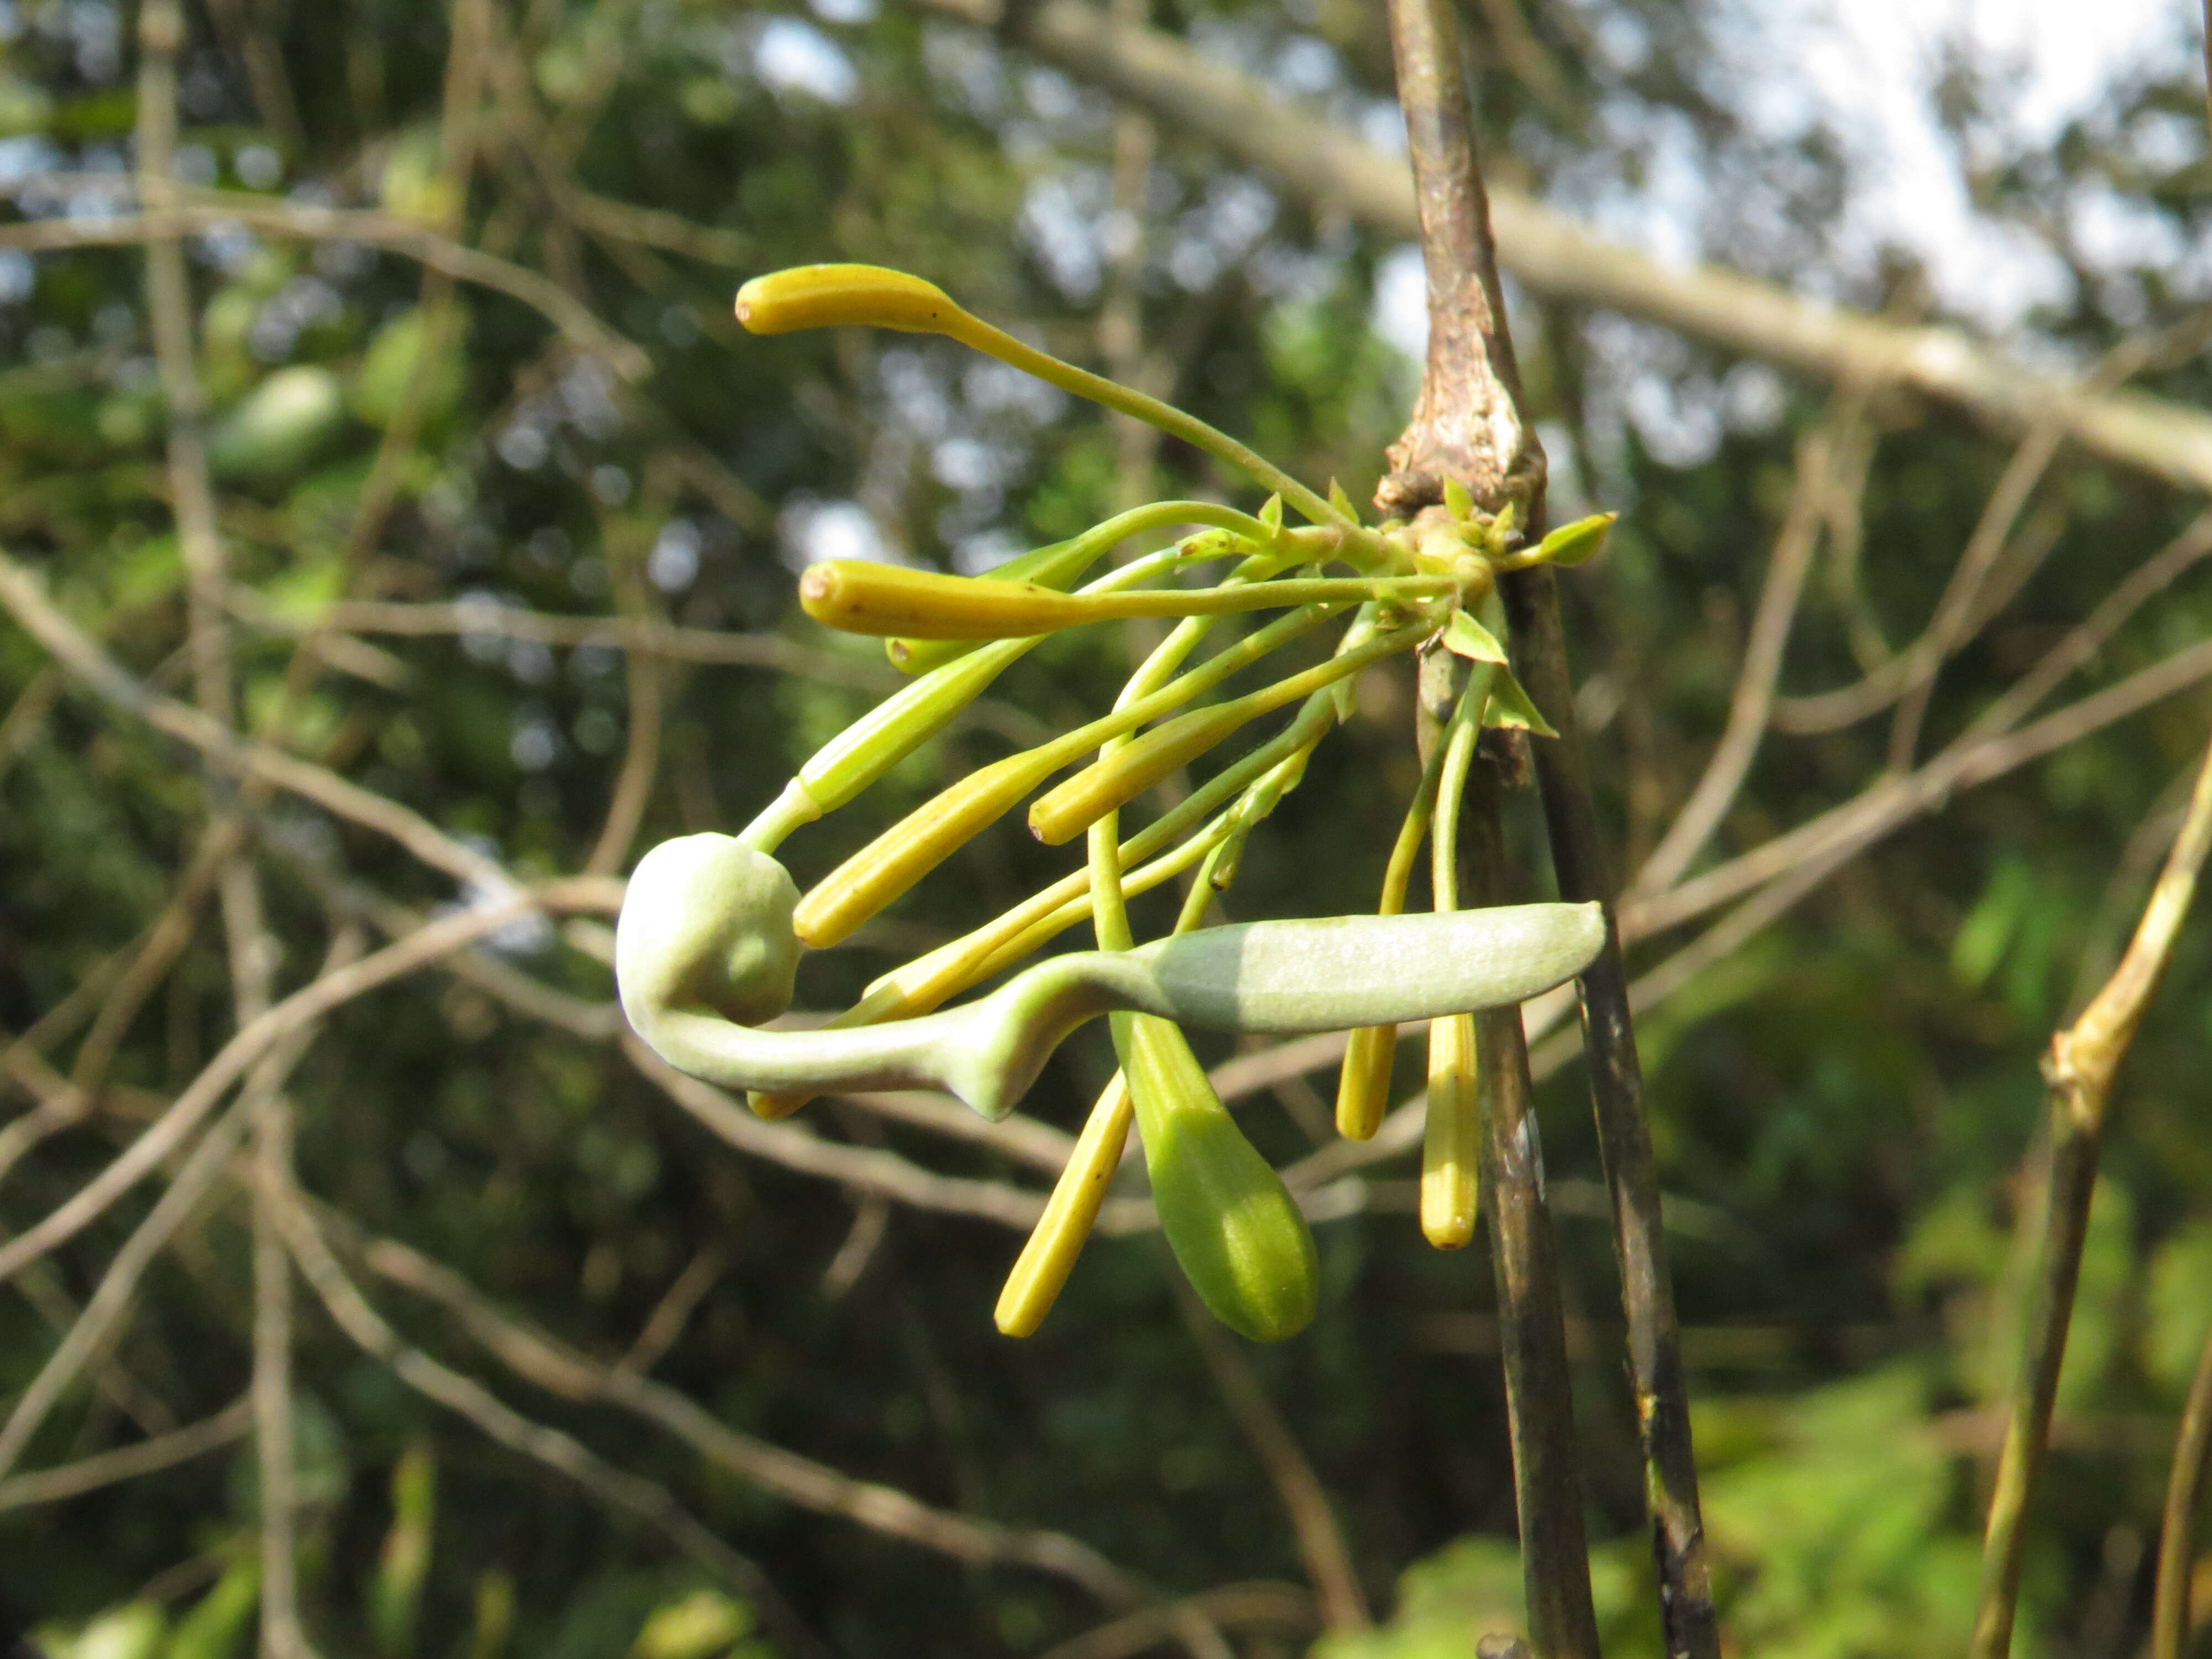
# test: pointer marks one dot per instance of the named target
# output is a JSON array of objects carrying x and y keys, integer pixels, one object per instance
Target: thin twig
[
  {"x": 251, "y": 949},
  {"x": 1532, "y": 1321},
  {"x": 435, "y": 308},
  {"x": 1285, "y": 1606},
  {"x": 185, "y": 1115},
  {"x": 233, "y": 1422},
  {"x": 1320, "y": 1541},
  {"x": 2170, "y": 1620},
  {"x": 865, "y": 1169},
  {"x": 544, "y": 1362},
  {"x": 1979, "y": 752},
  {"x": 1335, "y": 170},
  {"x": 84, "y": 1340},
  {"x": 491, "y": 619},
  {"x": 164, "y": 943},
  {"x": 2081, "y": 1066},
  {"x": 648, "y": 1500},
  {"x": 208, "y": 210},
  {"x": 643, "y": 676},
  {"x": 24, "y": 597},
  {"x": 1753, "y": 699},
  {"x": 674, "y": 1310}
]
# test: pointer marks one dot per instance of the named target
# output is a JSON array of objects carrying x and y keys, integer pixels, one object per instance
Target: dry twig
[{"x": 2083, "y": 1060}]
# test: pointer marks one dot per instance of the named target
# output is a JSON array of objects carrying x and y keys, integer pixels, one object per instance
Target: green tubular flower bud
[
  {"x": 901, "y": 724},
  {"x": 1570, "y": 545},
  {"x": 1042, "y": 1269},
  {"x": 704, "y": 946},
  {"x": 1232, "y": 1224},
  {"x": 830, "y": 296}
]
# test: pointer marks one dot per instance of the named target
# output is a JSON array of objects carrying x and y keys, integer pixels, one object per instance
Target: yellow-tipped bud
[
  {"x": 1049, "y": 1256},
  {"x": 1121, "y": 777},
  {"x": 887, "y": 866},
  {"x": 1450, "y": 1149},
  {"x": 1114, "y": 779},
  {"x": 859, "y": 596},
  {"x": 830, "y": 296},
  {"x": 1363, "y": 1086},
  {"x": 1057, "y": 566}
]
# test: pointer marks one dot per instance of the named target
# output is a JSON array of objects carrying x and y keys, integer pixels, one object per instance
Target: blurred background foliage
[{"x": 1846, "y": 1106}]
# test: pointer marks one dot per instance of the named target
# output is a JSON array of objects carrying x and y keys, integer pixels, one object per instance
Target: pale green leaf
[
  {"x": 1468, "y": 638},
  {"x": 1512, "y": 710}
]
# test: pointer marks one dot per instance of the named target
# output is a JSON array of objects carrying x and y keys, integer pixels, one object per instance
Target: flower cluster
[{"x": 713, "y": 927}]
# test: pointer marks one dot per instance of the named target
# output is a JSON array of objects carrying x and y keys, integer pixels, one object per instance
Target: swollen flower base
[{"x": 712, "y": 926}]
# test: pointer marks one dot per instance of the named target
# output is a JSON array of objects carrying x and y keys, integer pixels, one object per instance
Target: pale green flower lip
[{"x": 705, "y": 934}]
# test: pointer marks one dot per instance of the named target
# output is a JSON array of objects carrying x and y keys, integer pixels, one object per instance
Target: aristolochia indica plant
[{"x": 712, "y": 929}]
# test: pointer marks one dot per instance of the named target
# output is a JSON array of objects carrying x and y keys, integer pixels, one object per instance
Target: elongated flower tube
[
  {"x": 703, "y": 952},
  {"x": 884, "y": 869},
  {"x": 1363, "y": 1086},
  {"x": 923, "y": 985},
  {"x": 1040, "y": 1271},
  {"x": 869, "y": 297},
  {"x": 1061, "y": 565},
  {"x": 863, "y": 596},
  {"x": 1235, "y": 1230},
  {"x": 1129, "y": 771},
  {"x": 1451, "y": 1126},
  {"x": 895, "y": 727},
  {"x": 1451, "y": 1132}
]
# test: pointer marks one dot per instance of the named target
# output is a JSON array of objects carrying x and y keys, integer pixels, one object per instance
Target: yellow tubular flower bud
[
  {"x": 1049, "y": 1256},
  {"x": 1126, "y": 773},
  {"x": 1450, "y": 1148},
  {"x": 884, "y": 869},
  {"x": 1363, "y": 1087},
  {"x": 888, "y": 866},
  {"x": 1061, "y": 565},
  {"x": 859, "y": 596},
  {"x": 830, "y": 296}
]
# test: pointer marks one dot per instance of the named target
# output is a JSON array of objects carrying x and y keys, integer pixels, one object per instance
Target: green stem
[{"x": 973, "y": 331}]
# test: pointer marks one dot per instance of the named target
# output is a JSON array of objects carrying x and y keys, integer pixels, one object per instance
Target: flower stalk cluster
[{"x": 714, "y": 928}]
